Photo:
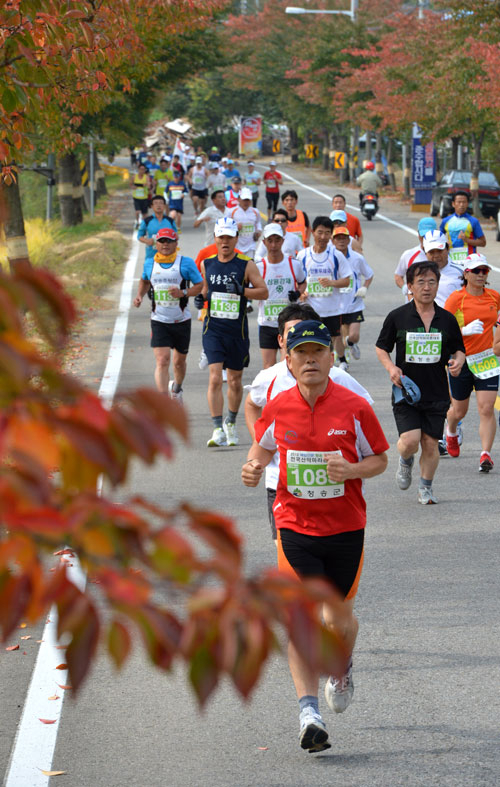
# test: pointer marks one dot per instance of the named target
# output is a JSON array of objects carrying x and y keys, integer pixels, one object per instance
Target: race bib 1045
[
  {"x": 225, "y": 305},
  {"x": 306, "y": 475},
  {"x": 423, "y": 347}
]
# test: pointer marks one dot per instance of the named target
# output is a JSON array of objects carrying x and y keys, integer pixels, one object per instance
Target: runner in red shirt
[
  {"x": 272, "y": 180},
  {"x": 353, "y": 223},
  {"x": 329, "y": 441}
]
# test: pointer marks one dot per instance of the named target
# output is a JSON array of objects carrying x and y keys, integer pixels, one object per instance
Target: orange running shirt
[{"x": 468, "y": 308}]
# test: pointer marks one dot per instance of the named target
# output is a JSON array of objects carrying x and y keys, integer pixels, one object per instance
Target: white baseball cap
[
  {"x": 252, "y": 163},
  {"x": 273, "y": 229},
  {"x": 273, "y": 163},
  {"x": 198, "y": 160},
  {"x": 225, "y": 226},
  {"x": 338, "y": 215},
  {"x": 245, "y": 194},
  {"x": 213, "y": 165},
  {"x": 475, "y": 260},
  {"x": 434, "y": 239}
]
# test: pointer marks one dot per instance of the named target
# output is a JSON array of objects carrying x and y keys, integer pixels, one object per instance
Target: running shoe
[
  {"x": 203, "y": 362},
  {"x": 344, "y": 366},
  {"x": 230, "y": 433},
  {"x": 338, "y": 693},
  {"x": 174, "y": 394},
  {"x": 485, "y": 463},
  {"x": 218, "y": 438},
  {"x": 403, "y": 474},
  {"x": 452, "y": 445},
  {"x": 442, "y": 447},
  {"x": 355, "y": 351},
  {"x": 313, "y": 735},
  {"x": 426, "y": 496}
]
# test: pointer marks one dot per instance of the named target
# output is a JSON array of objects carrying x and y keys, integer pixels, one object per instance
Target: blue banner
[{"x": 423, "y": 162}]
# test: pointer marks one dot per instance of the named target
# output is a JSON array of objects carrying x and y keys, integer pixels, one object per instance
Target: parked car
[{"x": 458, "y": 180}]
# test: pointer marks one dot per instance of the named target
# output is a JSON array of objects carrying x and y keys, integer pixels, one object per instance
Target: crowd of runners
[{"x": 315, "y": 436}]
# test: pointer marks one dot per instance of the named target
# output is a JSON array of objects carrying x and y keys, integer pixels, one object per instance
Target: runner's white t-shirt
[
  {"x": 360, "y": 268},
  {"x": 330, "y": 264},
  {"x": 250, "y": 220},
  {"x": 213, "y": 214},
  {"x": 282, "y": 379}
]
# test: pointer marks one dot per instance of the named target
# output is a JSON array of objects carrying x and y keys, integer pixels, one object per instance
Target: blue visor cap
[
  {"x": 409, "y": 392},
  {"x": 308, "y": 331}
]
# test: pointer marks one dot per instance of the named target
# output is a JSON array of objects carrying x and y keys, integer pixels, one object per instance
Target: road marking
[
  {"x": 35, "y": 743},
  {"x": 354, "y": 207}
]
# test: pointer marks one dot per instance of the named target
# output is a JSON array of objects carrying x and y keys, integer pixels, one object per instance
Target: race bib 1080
[
  {"x": 316, "y": 289},
  {"x": 306, "y": 475}
]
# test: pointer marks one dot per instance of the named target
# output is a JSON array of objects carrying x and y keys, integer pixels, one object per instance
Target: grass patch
[{"x": 117, "y": 183}]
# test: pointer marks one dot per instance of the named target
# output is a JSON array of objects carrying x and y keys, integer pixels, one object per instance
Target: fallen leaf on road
[
  {"x": 64, "y": 687},
  {"x": 263, "y": 748},
  {"x": 62, "y": 666},
  {"x": 27, "y": 636},
  {"x": 54, "y": 697},
  {"x": 12, "y": 647},
  {"x": 59, "y": 647},
  {"x": 22, "y": 625},
  {"x": 48, "y": 721},
  {"x": 52, "y": 773}
]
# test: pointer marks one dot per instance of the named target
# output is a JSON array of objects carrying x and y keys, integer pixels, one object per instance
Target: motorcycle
[{"x": 369, "y": 205}]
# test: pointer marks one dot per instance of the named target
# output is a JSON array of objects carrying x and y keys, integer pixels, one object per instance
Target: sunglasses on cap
[{"x": 485, "y": 271}]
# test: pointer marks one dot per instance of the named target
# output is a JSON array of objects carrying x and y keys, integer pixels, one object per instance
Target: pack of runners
[{"x": 315, "y": 437}]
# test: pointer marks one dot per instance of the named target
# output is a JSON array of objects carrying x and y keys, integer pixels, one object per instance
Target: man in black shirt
[{"x": 426, "y": 341}]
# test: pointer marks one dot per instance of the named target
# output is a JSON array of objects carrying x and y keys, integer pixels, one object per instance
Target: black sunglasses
[
  {"x": 165, "y": 240},
  {"x": 280, "y": 221},
  {"x": 480, "y": 270}
]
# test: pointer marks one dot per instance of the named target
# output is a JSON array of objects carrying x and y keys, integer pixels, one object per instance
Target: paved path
[{"x": 427, "y": 671}]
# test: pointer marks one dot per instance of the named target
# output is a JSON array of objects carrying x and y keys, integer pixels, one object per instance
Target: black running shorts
[
  {"x": 268, "y": 338},
  {"x": 429, "y": 417},
  {"x": 171, "y": 334}
]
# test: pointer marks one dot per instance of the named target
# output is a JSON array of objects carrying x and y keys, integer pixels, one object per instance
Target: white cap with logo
[
  {"x": 245, "y": 194},
  {"x": 225, "y": 226},
  {"x": 434, "y": 239}
]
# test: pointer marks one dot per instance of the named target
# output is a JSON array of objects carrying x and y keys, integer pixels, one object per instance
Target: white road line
[
  {"x": 354, "y": 207},
  {"x": 35, "y": 742}
]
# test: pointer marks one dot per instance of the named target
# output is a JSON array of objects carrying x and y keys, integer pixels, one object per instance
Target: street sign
[
  {"x": 423, "y": 169},
  {"x": 312, "y": 151},
  {"x": 84, "y": 173},
  {"x": 276, "y": 146},
  {"x": 339, "y": 160}
]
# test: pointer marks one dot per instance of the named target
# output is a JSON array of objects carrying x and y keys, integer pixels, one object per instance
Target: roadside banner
[
  {"x": 250, "y": 136},
  {"x": 423, "y": 161}
]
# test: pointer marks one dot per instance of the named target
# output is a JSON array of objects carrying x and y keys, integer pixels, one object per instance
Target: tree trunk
[
  {"x": 390, "y": 168},
  {"x": 326, "y": 149},
  {"x": 368, "y": 146},
  {"x": 379, "y": 167},
  {"x": 11, "y": 212},
  {"x": 406, "y": 171},
  {"x": 354, "y": 158},
  {"x": 65, "y": 189},
  {"x": 294, "y": 145},
  {"x": 77, "y": 193},
  {"x": 100, "y": 179},
  {"x": 477, "y": 141},
  {"x": 455, "y": 142}
]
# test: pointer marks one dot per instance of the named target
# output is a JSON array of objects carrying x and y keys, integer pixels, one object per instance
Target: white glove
[
  {"x": 361, "y": 293},
  {"x": 473, "y": 328},
  {"x": 404, "y": 289}
]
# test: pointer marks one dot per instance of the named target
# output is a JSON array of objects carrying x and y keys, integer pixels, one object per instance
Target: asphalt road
[{"x": 426, "y": 664}]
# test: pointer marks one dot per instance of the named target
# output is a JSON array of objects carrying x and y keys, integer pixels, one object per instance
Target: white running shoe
[
  {"x": 218, "y": 438},
  {"x": 174, "y": 394},
  {"x": 344, "y": 366},
  {"x": 403, "y": 474},
  {"x": 313, "y": 735},
  {"x": 338, "y": 693},
  {"x": 426, "y": 496},
  {"x": 355, "y": 351},
  {"x": 230, "y": 432},
  {"x": 203, "y": 362}
]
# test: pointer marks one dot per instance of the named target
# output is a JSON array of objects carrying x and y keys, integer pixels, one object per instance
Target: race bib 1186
[{"x": 306, "y": 475}]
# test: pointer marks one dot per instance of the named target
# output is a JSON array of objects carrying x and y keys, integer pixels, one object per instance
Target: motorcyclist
[{"x": 369, "y": 182}]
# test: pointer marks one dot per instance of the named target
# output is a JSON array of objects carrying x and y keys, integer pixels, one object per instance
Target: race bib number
[
  {"x": 306, "y": 475},
  {"x": 198, "y": 181},
  {"x": 458, "y": 256},
  {"x": 225, "y": 305},
  {"x": 247, "y": 230},
  {"x": 350, "y": 287},
  {"x": 423, "y": 347},
  {"x": 316, "y": 289},
  {"x": 163, "y": 297},
  {"x": 271, "y": 183},
  {"x": 176, "y": 194},
  {"x": 484, "y": 365},
  {"x": 162, "y": 183},
  {"x": 272, "y": 310}
]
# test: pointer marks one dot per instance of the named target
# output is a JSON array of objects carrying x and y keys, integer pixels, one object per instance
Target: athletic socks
[
  {"x": 308, "y": 701},
  {"x": 217, "y": 421},
  {"x": 231, "y": 418},
  {"x": 342, "y": 359},
  {"x": 425, "y": 483},
  {"x": 407, "y": 462},
  {"x": 176, "y": 387}
]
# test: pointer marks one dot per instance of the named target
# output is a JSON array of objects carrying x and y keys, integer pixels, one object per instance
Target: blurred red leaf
[
  {"x": 48, "y": 721},
  {"x": 119, "y": 642}
]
